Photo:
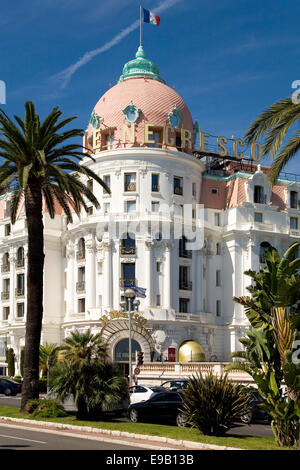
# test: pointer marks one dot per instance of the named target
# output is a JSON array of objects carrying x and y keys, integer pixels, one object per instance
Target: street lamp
[{"x": 129, "y": 294}]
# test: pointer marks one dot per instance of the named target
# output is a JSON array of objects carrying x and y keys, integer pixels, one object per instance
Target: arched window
[
  {"x": 5, "y": 262},
  {"x": 20, "y": 257},
  {"x": 259, "y": 196},
  {"x": 262, "y": 249},
  {"x": 81, "y": 249},
  {"x": 122, "y": 350}
]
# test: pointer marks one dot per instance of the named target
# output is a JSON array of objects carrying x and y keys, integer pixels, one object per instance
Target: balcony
[
  {"x": 185, "y": 285},
  {"x": 128, "y": 250},
  {"x": 185, "y": 254},
  {"x": 130, "y": 187},
  {"x": 4, "y": 295},
  {"x": 80, "y": 255},
  {"x": 178, "y": 190},
  {"x": 19, "y": 292},
  {"x": 124, "y": 283},
  {"x": 155, "y": 188},
  {"x": 5, "y": 268},
  {"x": 80, "y": 286}
]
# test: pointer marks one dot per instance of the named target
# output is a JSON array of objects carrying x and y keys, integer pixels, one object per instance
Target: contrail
[{"x": 65, "y": 76}]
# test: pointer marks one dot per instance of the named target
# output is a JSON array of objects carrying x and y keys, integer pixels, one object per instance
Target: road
[
  {"x": 15, "y": 438},
  {"x": 255, "y": 429}
]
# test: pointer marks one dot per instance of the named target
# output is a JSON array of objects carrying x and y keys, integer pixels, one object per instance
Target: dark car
[
  {"x": 9, "y": 387},
  {"x": 161, "y": 406},
  {"x": 254, "y": 410},
  {"x": 175, "y": 385}
]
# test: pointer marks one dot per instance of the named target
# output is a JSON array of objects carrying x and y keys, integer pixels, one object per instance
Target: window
[
  {"x": 5, "y": 313},
  {"x": 218, "y": 248},
  {"x": 20, "y": 310},
  {"x": 130, "y": 206},
  {"x": 183, "y": 252},
  {"x": 258, "y": 216},
  {"x": 81, "y": 305},
  {"x": 156, "y": 137},
  {"x": 81, "y": 249},
  {"x": 20, "y": 284},
  {"x": 155, "y": 182},
  {"x": 154, "y": 206},
  {"x": 130, "y": 182},
  {"x": 128, "y": 245},
  {"x": 217, "y": 219},
  {"x": 158, "y": 300},
  {"x": 158, "y": 267},
  {"x": 5, "y": 263},
  {"x": 80, "y": 286},
  {"x": 214, "y": 191},
  {"x": 184, "y": 305},
  {"x": 184, "y": 278},
  {"x": 106, "y": 179},
  {"x": 294, "y": 223},
  {"x": 293, "y": 199},
  {"x": 218, "y": 308},
  {"x": 259, "y": 194},
  {"x": 194, "y": 190},
  {"x": 178, "y": 185},
  {"x": 20, "y": 257},
  {"x": 128, "y": 275},
  {"x": 263, "y": 248},
  {"x": 106, "y": 207},
  {"x": 218, "y": 278},
  {"x": 7, "y": 230}
]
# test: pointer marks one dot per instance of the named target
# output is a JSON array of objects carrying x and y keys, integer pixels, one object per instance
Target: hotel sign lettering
[{"x": 169, "y": 135}]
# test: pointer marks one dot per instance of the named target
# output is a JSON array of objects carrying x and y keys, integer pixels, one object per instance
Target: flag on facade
[
  {"x": 139, "y": 291},
  {"x": 149, "y": 17}
]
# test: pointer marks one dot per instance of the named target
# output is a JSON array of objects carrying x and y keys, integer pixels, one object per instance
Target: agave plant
[{"x": 212, "y": 404}]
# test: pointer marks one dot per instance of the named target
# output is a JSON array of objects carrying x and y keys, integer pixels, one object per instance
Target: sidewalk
[{"x": 120, "y": 437}]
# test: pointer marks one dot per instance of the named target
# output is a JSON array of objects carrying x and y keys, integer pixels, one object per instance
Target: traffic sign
[{"x": 137, "y": 371}]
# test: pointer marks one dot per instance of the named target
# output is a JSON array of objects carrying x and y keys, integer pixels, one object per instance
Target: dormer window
[
  {"x": 259, "y": 197},
  {"x": 293, "y": 199}
]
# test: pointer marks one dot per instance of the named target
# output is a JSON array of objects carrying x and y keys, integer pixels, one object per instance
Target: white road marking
[{"x": 21, "y": 439}]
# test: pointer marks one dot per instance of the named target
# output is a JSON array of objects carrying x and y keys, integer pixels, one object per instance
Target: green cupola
[{"x": 140, "y": 67}]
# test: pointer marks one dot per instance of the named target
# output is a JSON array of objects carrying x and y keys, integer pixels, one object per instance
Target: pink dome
[{"x": 154, "y": 99}]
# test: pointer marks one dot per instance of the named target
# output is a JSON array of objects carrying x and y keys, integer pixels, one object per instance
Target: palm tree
[
  {"x": 48, "y": 358},
  {"x": 83, "y": 347},
  {"x": 273, "y": 124},
  {"x": 39, "y": 165}
]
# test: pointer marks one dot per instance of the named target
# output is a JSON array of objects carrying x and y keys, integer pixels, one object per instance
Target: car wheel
[
  {"x": 246, "y": 417},
  {"x": 180, "y": 420},
  {"x": 7, "y": 392},
  {"x": 134, "y": 416}
]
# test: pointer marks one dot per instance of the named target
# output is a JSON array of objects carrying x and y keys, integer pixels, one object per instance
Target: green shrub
[
  {"x": 212, "y": 404},
  {"x": 45, "y": 408}
]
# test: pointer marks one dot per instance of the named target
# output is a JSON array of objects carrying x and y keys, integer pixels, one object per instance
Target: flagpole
[{"x": 140, "y": 25}]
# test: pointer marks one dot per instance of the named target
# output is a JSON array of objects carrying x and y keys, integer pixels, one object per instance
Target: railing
[
  {"x": 128, "y": 250},
  {"x": 19, "y": 292},
  {"x": 80, "y": 286},
  {"x": 185, "y": 254},
  {"x": 20, "y": 263},
  {"x": 4, "y": 295},
  {"x": 178, "y": 191},
  {"x": 80, "y": 255},
  {"x": 185, "y": 285},
  {"x": 127, "y": 282},
  {"x": 5, "y": 268},
  {"x": 295, "y": 232},
  {"x": 130, "y": 187},
  {"x": 155, "y": 188}
]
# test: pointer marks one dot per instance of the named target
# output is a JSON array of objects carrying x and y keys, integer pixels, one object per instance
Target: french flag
[{"x": 149, "y": 17}]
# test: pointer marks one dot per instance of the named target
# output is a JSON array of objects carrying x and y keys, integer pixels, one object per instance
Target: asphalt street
[{"x": 256, "y": 429}]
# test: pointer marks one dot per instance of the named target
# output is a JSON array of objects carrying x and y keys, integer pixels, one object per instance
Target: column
[
  {"x": 167, "y": 300},
  {"x": 149, "y": 273},
  {"x": 90, "y": 274},
  {"x": 71, "y": 295},
  {"x": 107, "y": 275}
]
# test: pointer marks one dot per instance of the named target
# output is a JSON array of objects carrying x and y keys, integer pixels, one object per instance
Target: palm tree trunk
[{"x": 34, "y": 215}]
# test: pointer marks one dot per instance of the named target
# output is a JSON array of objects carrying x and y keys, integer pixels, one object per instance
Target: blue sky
[{"x": 228, "y": 59}]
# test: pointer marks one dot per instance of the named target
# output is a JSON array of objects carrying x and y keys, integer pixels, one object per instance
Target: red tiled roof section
[
  {"x": 278, "y": 196},
  {"x": 209, "y": 198}
]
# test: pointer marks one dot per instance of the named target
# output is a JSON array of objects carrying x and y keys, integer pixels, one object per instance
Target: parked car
[
  {"x": 161, "y": 406},
  {"x": 175, "y": 385},
  {"x": 9, "y": 387},
  {"x": 139, "y": 393},
  {"x": 254, "y": 411}
]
